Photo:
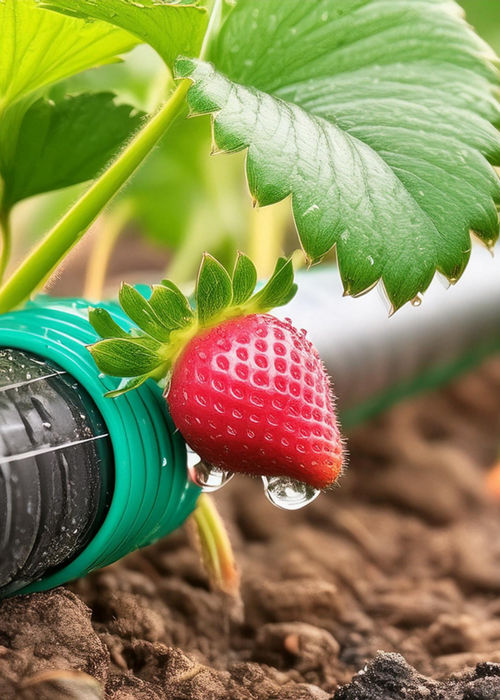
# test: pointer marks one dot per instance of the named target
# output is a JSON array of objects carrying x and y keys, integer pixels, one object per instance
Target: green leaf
[
  {"x": 171, "y": 28},
  {"x": 214, "y": 289},
  {"x": 103, "y": 324},
  {"x": 376, "y": 116},
  {"x": 171, "y": 305},
  {"x": 287, "y": 298},
  {"x": 244, "y": 279},
  {"x": 278, "y": 290},
  {"x": 142, "y": 313},
  {"x": 93, "y": 124},
  {"x": 126, "y": 357},
  {"x": 129, "y": 384},
  {"x": 40, "y": 48}
]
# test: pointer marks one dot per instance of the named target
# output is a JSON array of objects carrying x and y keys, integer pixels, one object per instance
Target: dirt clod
[
  {"x": 389, "y": 677},
  {"x": 48, "y": 632}
]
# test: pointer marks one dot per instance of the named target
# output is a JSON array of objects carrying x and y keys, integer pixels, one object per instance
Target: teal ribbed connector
[{"x": 152, "y": 495}]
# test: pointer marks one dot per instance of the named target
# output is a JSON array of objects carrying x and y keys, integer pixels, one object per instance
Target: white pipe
[{"x": 367, "y": 352}]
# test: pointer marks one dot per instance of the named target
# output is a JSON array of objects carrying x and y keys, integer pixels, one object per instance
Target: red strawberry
[
  {"x": 251, "y": 395},
  {"x": 248, "y": 392}
]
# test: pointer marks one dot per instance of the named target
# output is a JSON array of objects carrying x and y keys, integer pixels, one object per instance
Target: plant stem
[
  {"x": 67, "y": 232},
  {"x": 268, "y": 226},
  {"x": 6, "y": 241},
  {"x": 215, "y": 545},
  {"x": 184, "y": 264},
  {"x": 111, "y": 227}
]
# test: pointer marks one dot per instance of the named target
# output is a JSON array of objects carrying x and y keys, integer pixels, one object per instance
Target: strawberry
[
  {"x": 251, "y": 395},
  {"x": 247, "y": 391}
]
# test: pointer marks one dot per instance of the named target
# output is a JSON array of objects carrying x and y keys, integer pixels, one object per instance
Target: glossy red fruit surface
[{"x": 252, "y": 395}]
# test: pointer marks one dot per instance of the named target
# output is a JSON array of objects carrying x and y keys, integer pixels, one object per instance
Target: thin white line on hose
[
  {"x": 31, "y": 381},
  {"x": 48, "y": 448}
]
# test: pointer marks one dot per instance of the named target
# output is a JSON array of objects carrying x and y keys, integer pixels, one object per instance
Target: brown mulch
[{"x": 403, "y": 557}]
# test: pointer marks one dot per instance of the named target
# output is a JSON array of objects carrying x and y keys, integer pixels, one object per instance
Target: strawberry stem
[{"x": 215, "y": 546}]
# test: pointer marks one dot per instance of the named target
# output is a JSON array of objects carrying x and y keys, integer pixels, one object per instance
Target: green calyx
[{"x": 167, "y": 321}]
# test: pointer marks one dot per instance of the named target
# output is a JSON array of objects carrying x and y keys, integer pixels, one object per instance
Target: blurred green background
[
  {"x": 181, "y": 202},
  {"x": 484, "y": 15}
]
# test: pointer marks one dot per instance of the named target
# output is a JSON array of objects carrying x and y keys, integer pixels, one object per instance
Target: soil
[{"x": 398, "y": 568}]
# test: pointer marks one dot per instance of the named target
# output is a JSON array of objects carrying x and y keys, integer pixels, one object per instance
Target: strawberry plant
[{"x": 376, "y": 120}]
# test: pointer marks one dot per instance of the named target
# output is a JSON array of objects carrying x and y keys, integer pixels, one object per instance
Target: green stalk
[
  {"x": 6, "y": 235},
  {"x": 67, "y": 232},
  {"x": 215, "y": 545}
]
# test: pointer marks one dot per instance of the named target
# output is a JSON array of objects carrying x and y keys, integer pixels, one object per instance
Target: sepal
[
  {"x": 214, "y": 290},
  {"x": 126, "y": 357},
  {"x": 166, "y": 322}
]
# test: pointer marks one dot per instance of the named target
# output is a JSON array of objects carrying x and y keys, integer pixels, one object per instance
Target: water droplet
[
  {"x": 416, "y": 301},
  {"x": 206, "y": 476},
  {"x": 288, "y": 494},
  {"x": 443, "y": 281}
]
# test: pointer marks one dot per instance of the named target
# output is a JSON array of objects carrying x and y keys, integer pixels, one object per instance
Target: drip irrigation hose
[
  {"x": 85, "y": 479},
  {"x": 55, "y": 484}
]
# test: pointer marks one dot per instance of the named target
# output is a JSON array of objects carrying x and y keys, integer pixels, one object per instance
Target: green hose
[{"x": 152, "y": 494}]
